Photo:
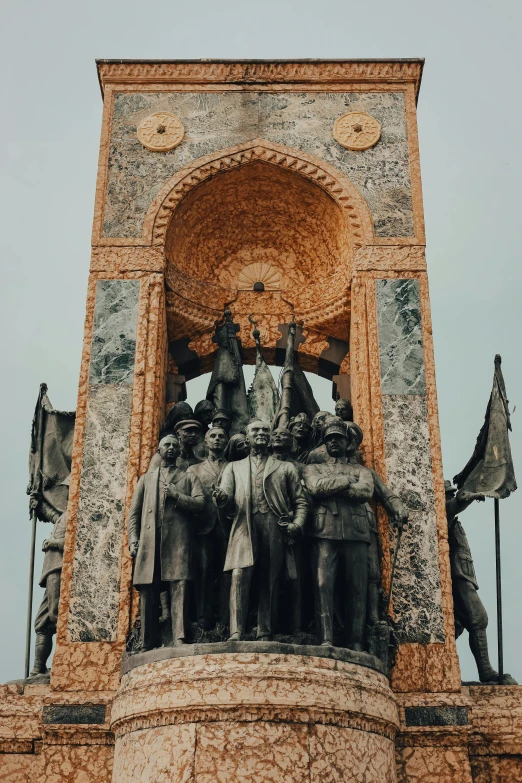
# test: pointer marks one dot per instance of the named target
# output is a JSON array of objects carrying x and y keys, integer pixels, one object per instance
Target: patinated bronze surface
[
  {"x": 161, "y": 534},
  {"x": 263, "y": 522},
  {"x": 470, "y": 612},
  {"x": 268, "y": 505}
]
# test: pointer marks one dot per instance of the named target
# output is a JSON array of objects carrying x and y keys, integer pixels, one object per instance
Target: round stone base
[{"x": 252, "y": 718}]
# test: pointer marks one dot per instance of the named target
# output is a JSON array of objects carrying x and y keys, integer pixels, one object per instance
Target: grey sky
[{"x": 469, "y": 127}]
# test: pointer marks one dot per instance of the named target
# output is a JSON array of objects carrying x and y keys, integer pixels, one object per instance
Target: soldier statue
[
  {"x": 161, "y": 538},
  {"x": 47, "y": 616},
  {"x": 222, "y": 418},
  {"x": 470, "y": 612},
  {"x": 210, "y": 542},
  {"x": 319, "y": 453},
  {"x": 189, "y": 435},
  {"x": 340, "y": 532},
  {"x": 267, "y": 501}
]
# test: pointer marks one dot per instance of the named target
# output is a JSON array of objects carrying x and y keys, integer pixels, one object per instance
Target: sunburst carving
[{"x": 259, "y": 273}]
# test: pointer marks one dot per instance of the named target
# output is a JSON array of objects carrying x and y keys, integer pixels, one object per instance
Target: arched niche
[{"x": 265, "y": 231}]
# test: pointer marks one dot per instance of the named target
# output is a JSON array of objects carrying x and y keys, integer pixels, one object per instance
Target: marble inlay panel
[
  {"x": 417, "y": 598},
  {"x": 214, "y": 121},
  {"x": 114, "y": 332},
  {"x": 400, "y": 337},
  {"x": 93, "y": 608}
]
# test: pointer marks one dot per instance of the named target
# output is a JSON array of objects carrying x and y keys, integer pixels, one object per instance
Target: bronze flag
[
  {"x": 50, "y": 455},
  {"x": 490, "y": 470}
]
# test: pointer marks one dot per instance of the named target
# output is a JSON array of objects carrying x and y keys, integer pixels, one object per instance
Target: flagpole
[
  {"x": 30, "y": 598},
  {"x": 500, "y": 640}
]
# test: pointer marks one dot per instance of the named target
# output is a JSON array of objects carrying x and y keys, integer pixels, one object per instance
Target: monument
[{"x": 250, "y": 588}]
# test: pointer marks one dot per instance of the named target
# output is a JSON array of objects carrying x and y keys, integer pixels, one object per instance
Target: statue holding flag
[
  {"x": 49, "y": 468},
  {"x": 489, "y": 473},
  {"x": 226, "y": 389}
]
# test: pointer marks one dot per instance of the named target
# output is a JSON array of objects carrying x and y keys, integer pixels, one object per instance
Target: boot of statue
[
  {"x": 478, "y": 643},
  {"x": 43, "y": 648}
]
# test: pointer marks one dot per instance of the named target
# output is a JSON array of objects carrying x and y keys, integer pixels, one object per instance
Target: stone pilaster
[
  {"x": 120, "y": 405},
  {"x": 395, "y": 403}
]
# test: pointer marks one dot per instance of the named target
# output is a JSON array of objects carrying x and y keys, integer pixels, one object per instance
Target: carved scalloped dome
[{"x": 259, "y": 273}]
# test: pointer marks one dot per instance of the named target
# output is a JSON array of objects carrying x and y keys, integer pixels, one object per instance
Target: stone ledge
[{"x": 132, "y": 661}]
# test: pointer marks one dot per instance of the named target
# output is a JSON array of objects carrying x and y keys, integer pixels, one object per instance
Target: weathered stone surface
[
  {"x": 114, "y": 332},
  {"x": 254, "y": 717},
  {"x": 93, "y": 609},
  {"x": 252, "y": 753},
  {"x": 158, "y": 755},
  {"x": 74, "y": 713},
  {"x": 436, "y": 716},
  {"x": 400, "y": 337},
  {"x": 434, "y": 765},
  {"x": 339, "y": 754},
  {"x": 497, "y": 769},
  {"x": 216, "y": 121},
  {"x": 417, "y": 599},
  {"x": 82, "y": 763}
]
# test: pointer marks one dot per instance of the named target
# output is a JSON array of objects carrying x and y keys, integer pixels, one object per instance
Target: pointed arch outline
[{"x": 340, "y": 188}]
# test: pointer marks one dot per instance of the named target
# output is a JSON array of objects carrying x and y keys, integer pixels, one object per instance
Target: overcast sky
[{"x": 469, "y": 127}]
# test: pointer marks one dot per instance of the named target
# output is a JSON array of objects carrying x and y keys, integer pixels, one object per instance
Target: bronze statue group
[
  {"x": 248, "y": 531},
  {"x": 255, "y": 520}
]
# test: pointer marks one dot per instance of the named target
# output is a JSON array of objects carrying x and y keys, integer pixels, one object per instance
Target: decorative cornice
[
  {"x": 254, "y": 713},
  {"x": 259, "y": 71},
  {"x": 411, "y": 258}
]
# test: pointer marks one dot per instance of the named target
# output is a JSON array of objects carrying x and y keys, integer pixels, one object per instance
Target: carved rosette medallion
[
  {"x": 357, "y": 131},
  {"x": 161, "y": 132}
]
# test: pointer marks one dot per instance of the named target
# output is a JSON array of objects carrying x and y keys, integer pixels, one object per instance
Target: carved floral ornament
[
  {"x": 161, "y": 131},
  {"x": 356, "y": 131}
]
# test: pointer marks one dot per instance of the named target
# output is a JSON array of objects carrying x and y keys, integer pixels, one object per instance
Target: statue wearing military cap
[
  {"x": 189, "y": 433},
  {"x": 398, "y": 515},
  {"x": 470, "y": 612},
  {"x": 340, "y": 533},
  {"x": 222, "y": 418}
]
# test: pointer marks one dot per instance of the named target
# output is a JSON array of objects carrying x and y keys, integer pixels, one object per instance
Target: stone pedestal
[{"x": 253, "y": 717}]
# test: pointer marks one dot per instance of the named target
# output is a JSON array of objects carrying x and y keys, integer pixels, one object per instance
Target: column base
[{"x": 256, "y": 717}]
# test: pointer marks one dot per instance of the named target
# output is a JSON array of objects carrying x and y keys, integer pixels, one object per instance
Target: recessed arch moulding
[{"x": 259, "y": 215}]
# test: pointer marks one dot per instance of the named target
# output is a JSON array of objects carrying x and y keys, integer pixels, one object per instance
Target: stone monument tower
[{"x": 290, "y": 192}]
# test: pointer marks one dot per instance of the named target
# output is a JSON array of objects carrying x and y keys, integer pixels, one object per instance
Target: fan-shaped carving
[{"x": 267, "y": 274}]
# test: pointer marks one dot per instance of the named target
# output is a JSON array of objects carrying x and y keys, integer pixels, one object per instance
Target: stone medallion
[
  {"x": 357, "y": 131},
  {"x": 161, "y": 131}
]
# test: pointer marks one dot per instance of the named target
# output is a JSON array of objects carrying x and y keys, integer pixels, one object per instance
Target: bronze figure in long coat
[
  {"x": 161, "y": 532},
  {"x": 268, "y": 503}
]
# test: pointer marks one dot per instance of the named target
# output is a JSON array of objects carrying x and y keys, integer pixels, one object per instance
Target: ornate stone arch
[
  {"x": 321, "y": 306},
  {"x": 339, "y": 187}
]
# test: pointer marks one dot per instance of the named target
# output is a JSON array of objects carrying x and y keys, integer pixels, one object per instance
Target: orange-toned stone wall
[
  {"x": 254, "y": 717},
  {"x": 344, "y": 245}
]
